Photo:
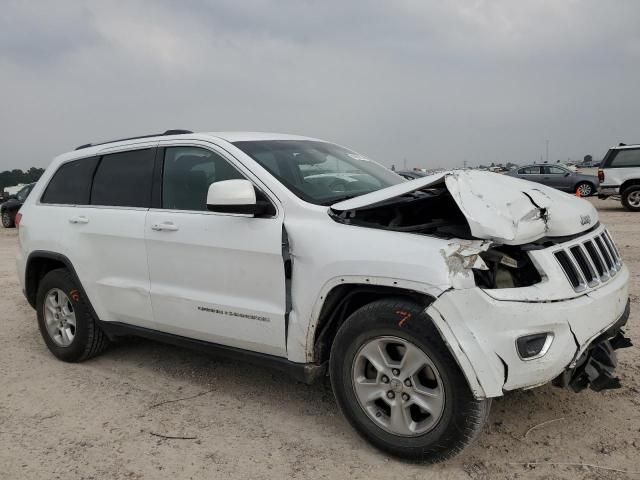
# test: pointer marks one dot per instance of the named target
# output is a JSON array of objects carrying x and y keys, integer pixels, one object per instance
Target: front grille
[{"x": 590, "y": 261}]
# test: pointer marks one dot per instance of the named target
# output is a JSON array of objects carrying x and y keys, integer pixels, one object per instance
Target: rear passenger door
[
  {"x": 214, "y": 276},
  {"x": 111, "y": 232},
  {"x": 93, "y": 212}
]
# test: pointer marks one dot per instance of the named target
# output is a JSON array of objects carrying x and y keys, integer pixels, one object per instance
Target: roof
[{"x": 91, "y": 149}]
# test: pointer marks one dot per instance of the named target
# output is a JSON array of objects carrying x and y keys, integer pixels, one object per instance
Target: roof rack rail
[{"x": 176, "y": 131}]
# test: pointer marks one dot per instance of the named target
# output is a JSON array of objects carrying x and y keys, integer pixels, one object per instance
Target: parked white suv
[
  {"x": 423, "y": 299},
  {"x": 619, "y": 175}
]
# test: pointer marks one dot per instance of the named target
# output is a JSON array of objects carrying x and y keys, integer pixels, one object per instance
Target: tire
[
  {"x": 631, "y": 198},
  {"x": 586, "y": 189},
  {"x": 452, "y": 425},
  {"x": 88, "y": 340},
  {"x": 7, "y": 219}
]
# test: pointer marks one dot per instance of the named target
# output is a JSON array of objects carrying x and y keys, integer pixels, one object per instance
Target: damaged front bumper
[
  {"x": 596, "y": 365},
  {"x": 482, "y": 334}
]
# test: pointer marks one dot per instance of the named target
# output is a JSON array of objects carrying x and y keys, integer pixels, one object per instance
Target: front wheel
[
  {"x": 631, "y": 198},
  {"x": 397, "y": 384},
  {"x": 7, "y": 220},
  {"x": 585, "y": 188}
]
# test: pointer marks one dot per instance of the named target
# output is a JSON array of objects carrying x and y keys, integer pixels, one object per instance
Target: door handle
[
  {"x": 164, "y": 226},
  {"x": 79, "y": 219}
]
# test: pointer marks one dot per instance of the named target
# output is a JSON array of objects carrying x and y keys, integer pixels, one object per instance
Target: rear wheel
[
  {"x": 399, "y": 386},
  {"x": 586, "y": 189},
  {"x": 631, "y": 198},
  {"x": 65, "y": 319},
  {"x": 7, "y": 219}
]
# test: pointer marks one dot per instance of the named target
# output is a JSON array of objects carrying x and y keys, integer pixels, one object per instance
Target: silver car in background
[{"x": 558, "y": 176}]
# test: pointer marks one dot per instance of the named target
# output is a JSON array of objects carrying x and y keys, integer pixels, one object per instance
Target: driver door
[{"x": 214, "y": 276}]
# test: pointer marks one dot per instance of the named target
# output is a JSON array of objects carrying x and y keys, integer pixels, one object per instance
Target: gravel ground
[{"x": 101, "y": 419}]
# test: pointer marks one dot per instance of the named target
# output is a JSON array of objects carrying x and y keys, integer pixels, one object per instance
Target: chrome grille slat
[{"x": 590, "y": 261}]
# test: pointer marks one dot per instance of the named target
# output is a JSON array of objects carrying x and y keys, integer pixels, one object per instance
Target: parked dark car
[
  {"x": 9, "y": 208},
  {"x": 558, "y": 176}
]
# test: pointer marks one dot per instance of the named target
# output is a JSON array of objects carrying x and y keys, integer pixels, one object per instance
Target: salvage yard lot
[{"x": 107, "y": 418}]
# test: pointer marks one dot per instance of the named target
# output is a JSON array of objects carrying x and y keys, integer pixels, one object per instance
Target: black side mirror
[{"x": 567, "y": 174}]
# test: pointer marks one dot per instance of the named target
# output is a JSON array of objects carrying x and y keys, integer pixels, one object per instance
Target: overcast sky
[{"x": 436, "y": 83}]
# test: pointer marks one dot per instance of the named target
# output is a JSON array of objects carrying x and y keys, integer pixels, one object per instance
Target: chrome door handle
[
  {"x": 164, "y": 226},
  {"x": 79, "y": 219}
]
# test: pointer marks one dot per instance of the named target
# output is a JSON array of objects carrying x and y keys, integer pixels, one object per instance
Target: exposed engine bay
[{"x": 433, "y": 211}]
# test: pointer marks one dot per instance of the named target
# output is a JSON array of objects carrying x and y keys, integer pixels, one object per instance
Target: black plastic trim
[
  {"x": 304, "y": 372},
  {"x": 30, "y": 286},
  {"x": 176, "y": 131}
]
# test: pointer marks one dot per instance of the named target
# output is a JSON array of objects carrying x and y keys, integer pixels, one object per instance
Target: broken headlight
[{"x": 507, "y": 267}]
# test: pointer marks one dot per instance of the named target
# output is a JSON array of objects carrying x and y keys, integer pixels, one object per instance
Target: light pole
[{"x": 547, "y": 152}]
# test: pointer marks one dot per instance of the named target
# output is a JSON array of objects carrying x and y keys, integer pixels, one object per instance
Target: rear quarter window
[
  {"x": 71, "y": 184},
  {"x": 625, "y": 159}
]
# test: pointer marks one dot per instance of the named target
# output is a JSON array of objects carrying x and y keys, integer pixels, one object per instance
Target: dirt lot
[{"x": 100, "y": 419}]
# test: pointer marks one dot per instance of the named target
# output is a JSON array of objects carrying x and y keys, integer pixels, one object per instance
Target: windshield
[{"x": 319, "y": 172}]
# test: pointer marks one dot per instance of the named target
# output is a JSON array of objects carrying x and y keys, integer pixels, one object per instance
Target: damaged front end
[
  {"x": 535, "y": 282},
  {"x": 595, "y": 367}
]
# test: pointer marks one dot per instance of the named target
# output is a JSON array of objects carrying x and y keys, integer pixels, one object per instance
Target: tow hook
[{"x": 595, "y": 367}]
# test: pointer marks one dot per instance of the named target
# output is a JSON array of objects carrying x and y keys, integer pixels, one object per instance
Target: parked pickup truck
[{"x": 619, "y": 176}]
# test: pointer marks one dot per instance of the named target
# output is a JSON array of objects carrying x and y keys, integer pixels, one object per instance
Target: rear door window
[
  {"x": 71, "y": 184},
  {"x": 124, "y": 179},
  {"x": 530, "y": 171},
  {"x": 626, "y": 159}
]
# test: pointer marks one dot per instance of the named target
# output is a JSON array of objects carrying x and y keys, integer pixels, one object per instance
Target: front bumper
[{"x": 481, "y": 332}]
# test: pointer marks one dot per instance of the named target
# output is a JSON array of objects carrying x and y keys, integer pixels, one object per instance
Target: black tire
[
  {"x": 7, "y": 219},
  {"x": 626, "y": 200},
  {"x": 589, "y": 189},
  {"x": 89, "y": 340},
  {"x": 462, "y": 417}
]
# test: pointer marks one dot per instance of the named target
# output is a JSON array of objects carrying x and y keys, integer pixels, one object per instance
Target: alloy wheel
[
  {"x": 585, "y": 190},
  {"x": 60, "y": 318},
  {"x": 634, "y": 199},
  {"x": 398, "y": 386}
]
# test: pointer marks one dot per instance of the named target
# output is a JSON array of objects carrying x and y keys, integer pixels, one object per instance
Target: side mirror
[
  {"x": 232, "y": 196},
  {"x": 567, "y": 174}
]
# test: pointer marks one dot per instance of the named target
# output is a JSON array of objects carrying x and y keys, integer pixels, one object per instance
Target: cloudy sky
[{"x": 435, "y": 83}]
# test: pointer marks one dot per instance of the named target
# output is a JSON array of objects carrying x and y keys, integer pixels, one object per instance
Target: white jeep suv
[
  {"x": 619, "y": 175},
  {"x": 422, "y": 299}
]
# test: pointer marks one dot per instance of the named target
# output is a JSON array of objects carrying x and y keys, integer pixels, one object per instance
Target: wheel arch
[
  {"x": 41, "y": 262},
  {"x": 629, "y": 183},
  {"x": 344, "y": 299}
]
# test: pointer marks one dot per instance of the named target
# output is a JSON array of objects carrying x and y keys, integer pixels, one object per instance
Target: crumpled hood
[{"x": 497, "y": 207}]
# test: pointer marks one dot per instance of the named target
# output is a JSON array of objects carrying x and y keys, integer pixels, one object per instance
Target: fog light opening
[{"x": 534, "y": 346}]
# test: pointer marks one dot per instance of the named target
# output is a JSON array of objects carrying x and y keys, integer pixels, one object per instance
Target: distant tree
[
  {"x": 9, "y": 178},
  {"x": 588, "y": 159}
]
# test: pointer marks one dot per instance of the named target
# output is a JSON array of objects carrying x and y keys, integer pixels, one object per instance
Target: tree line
[{"x": 9, "y": 178}]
